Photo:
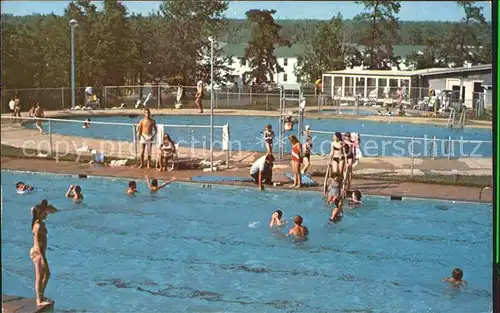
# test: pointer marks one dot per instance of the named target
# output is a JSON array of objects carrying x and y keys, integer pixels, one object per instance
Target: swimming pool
[
  {"x": 194, "y": 249},
  {"x": 246, "y": 134}
]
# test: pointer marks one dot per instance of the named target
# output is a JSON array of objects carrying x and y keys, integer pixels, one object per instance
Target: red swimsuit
[{"x": 296, "y": 153}]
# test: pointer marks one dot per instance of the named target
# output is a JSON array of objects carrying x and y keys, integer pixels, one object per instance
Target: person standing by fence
[
  {"x": 146, "y": 132},
  {"x": 199, "y": 95}
]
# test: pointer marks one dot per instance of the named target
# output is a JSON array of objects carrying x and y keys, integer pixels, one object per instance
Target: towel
[{"x": 160, "y": 134}]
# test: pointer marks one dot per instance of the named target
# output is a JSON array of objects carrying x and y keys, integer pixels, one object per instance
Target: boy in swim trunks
[
  {"x": 456, "y": 280},
  {"x": 146, "y": 132},
  {"x": 153, "y": 184},
  {"x": 276, "y": 219},
  {"x": 269, "y": 138}
]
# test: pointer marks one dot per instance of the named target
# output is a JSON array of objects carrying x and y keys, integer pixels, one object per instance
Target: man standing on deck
[{"x": 146, "y": 132}]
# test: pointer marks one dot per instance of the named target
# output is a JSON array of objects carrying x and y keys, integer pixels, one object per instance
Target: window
[
  {"x": 285, "y": 62},
  {"x": 285, "y": 77}
]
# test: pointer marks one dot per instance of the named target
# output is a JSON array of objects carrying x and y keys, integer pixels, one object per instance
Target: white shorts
[{"x": 148, "y": 141}]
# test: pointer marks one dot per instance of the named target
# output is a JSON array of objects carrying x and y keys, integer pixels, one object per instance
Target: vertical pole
[
  {"x": 228, "y": 146},
  {"x": 412, "y": 166},
  {"x": 158, "y": 97},
  {"x": 134, "y": 140},
  {"x": 73, "y": 67},
  {"x": 50, "y": 138},
  {"x": 227, "y": 97},
  {"x": 267, "y": 102},
  {"x": 62, "y": 97},
  {"x": 433, "y": 147},
  {"x": 105, "y": 96},
  {"x": 251, "y": 87},
  {"x": 211, "y": 105},
  {"x": 450, "y": 145}
]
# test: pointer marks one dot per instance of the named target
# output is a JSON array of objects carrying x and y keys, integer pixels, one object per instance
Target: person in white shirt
[
  {"x": 262, "y": 170},
  {"x": 12, "y": 105},
  {"x": 199, "y": 95}
]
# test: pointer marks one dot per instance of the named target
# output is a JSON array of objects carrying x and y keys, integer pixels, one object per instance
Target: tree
[
  {"x": 431, "y": 56},
  {"x": 259, "y": 54},
  {"x": 324, "y": 53},
  {"x": 380, "y": 34},
  {"x": 189, "y": 24}
]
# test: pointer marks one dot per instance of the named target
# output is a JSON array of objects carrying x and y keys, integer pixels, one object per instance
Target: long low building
[{"x": 467, "y": 84}]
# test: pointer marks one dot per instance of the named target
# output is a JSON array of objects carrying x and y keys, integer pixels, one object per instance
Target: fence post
[
  {"x": 135, "y": 140},
  {"x": 158, "y": 96},
  {"x": 50, "y": 138},
  {"x": 433, "y": 147},
  {"x": 267, "y": 102},
  {"x": 105, "y": 96},
  {"x": 227, "y": 98},
  {"x": 449, "y": 147},
  {"x": 216, "y": 98},
  {"x": 62, "y": 97},
  {"x": 250, "y": 95},
  {"x": 412, "y": 165}
]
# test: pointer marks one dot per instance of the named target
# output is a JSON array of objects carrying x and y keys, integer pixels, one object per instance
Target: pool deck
[
  {"x": 14, "y": 304},
  {"x": 369, "y": 187}
]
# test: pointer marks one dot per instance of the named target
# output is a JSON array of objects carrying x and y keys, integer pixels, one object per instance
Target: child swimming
[
  {"x": 338, "y": 212},
  {"x": 153, "y": 184},
  {"x": 356, "y": 198},
  {"x": 333, "y": 189},
  {"x": 456, "y": 280},
  {"x": 21, "y": 188},
  {"x": 132, "y": 188},
  {"x": 276, "y": 219},
  {"x": 299, "y": 231},
  {"x": 75, "y": 192}
]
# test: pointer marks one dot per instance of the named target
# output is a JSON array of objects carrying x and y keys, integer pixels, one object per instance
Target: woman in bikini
[
  {"x": 337, "y": 156},
  {"x": 37, "y": 253},
  {"x": 166, "y": 152},
  {"x": 349, "y": 151},
  {"x": 307, "y": 154},
  {"x": 299, "y": 231},
  {"x": 296, "y": 161}
]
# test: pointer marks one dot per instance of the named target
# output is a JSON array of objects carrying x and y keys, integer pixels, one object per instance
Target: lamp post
[
  {"x": 72, "y": 24},
  {"x": 211, "y": 103}
]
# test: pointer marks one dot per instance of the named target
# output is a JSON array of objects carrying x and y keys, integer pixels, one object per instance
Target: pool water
[
  {"x": 194, "y": 249},
  {"x": 246, "y": 134}
]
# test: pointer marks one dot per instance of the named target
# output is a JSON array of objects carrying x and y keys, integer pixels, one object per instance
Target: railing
[
  {"x": 426, "y": 158},
  {"x": 119, "y": 142}
]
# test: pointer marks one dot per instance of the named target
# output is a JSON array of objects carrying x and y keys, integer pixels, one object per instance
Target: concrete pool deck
[
  {"x": 14, "y": 304},
  {"x": 369, "y": 187}
]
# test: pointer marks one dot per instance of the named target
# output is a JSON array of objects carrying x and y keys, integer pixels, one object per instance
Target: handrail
[
  {"x": 451, "y": 119},
  {"x": 482, "y": 189},
  {"x": 107, "y": 123},
  {"x": 405, "y": 138}
]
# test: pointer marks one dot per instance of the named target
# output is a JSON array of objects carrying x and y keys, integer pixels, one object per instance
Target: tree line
[{"x": 171, "y": 45}]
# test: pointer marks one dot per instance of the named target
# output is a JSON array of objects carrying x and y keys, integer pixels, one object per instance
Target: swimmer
[
  {"x": 337, "y": 212},
  {"x": 356, "y": 198},
  {"x": 86, "y": 124},
  {"x": 75, "y": 192},
  {"x": 153, "y": 184},
  {"x": 21, "y": 187},
  {"x": 276, "y": 219},
  {"x": 456, "y": 280},
  {"x": 333, "y": 190},
  {"x": 299, "y": 231},
  {"x": 132, "y": 188}
]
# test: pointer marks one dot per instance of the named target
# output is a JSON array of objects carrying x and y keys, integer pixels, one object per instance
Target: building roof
[
  {"x": 238, "y": 50},
  {"x": 424, "y": 72}
]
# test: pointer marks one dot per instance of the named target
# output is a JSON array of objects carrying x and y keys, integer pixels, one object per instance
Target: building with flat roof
[{"x": 467, "y": 83}]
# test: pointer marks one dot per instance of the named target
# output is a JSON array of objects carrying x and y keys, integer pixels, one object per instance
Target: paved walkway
[{"x": 372, "y": 187}]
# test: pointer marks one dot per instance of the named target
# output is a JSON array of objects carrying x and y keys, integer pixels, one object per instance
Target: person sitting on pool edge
[
  {"x": 132, "y": 188},
  {"x": 276, "y": 219},
  {"x": 75, "y": 192},
  {"x": 21, "y": 187},
  {"x": 299, "y": 231},
  {"x": 153, "y": 184},
  {"x": 262, "y": 170},
  {"x": 456, "y": 280}
]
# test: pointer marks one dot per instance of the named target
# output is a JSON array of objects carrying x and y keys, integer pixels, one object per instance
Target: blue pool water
[
  {"x": 246, "y": 134},
  {"x": 194, "y": 249}
]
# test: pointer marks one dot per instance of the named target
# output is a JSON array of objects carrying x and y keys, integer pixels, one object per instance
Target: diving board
[{"x": 306, "y": 180}]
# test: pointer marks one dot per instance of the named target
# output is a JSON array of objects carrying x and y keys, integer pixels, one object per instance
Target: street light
[
  {"x": 211, "y": 103},
  {"x": 72, "y": 24}
]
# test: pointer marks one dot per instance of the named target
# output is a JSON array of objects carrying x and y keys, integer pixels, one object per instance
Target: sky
[{"x": 410, "y": 10}]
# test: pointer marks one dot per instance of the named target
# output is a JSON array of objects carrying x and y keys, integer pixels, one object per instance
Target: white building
[{"x": 287, "y": 59}]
